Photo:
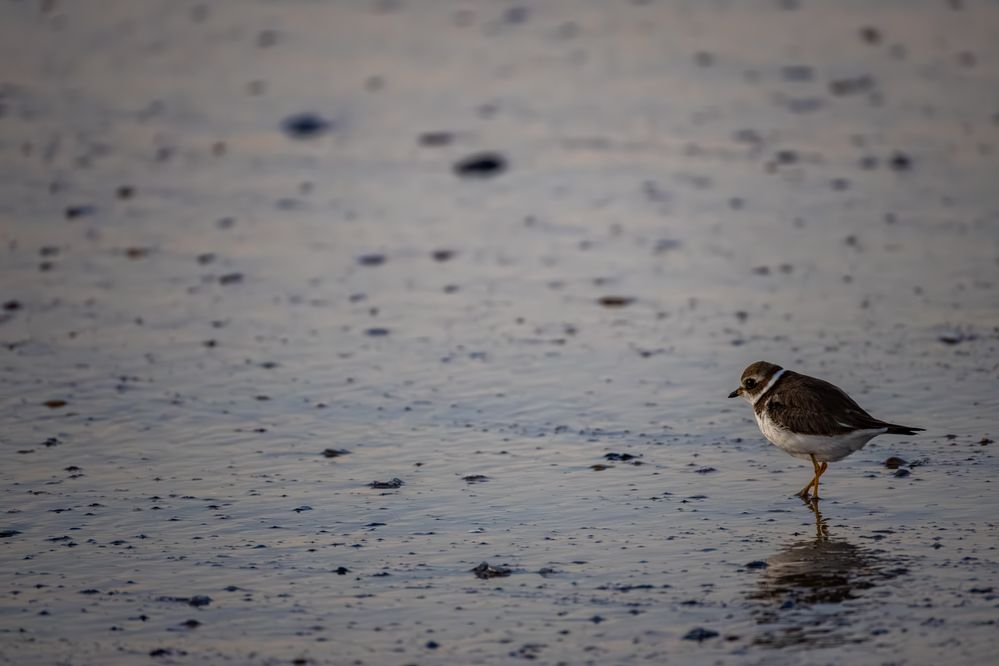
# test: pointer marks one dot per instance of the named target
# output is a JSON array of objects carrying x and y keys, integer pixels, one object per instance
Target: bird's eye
[{"x": 749, "y": 383}]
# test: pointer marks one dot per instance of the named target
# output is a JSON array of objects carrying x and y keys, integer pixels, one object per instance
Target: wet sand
[{"x": 257, "y": 257}]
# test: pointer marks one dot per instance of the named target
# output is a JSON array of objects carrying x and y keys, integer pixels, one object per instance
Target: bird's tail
[{"x": 894, "y": 429}]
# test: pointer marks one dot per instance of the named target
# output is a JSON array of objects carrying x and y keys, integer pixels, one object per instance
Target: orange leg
[
  {"x": 819, "y": 471},
  {"x": 818, "y": 475}
]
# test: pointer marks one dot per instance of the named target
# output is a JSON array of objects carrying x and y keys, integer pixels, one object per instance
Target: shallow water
[{"x": 687, "y": 187}]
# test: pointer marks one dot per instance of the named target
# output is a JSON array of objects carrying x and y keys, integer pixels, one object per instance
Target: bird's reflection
[{"x": 799, "y": 598}]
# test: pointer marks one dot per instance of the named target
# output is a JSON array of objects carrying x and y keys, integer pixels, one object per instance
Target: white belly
[{"x": 825, "y": 449}]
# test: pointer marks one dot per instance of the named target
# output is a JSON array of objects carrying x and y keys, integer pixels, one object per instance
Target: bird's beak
[{"x": 736, "y": 393}]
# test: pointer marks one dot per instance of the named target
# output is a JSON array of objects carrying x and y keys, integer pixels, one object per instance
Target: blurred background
[{"x": 258, "y": 255}]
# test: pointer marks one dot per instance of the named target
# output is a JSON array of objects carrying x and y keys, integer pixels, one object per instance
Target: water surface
[{"x": 197, "y": 304}]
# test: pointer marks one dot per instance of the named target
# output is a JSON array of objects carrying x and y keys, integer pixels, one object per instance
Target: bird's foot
[
  {"x": 807, "y": 497},
  {"x": 810, "y": 501}
]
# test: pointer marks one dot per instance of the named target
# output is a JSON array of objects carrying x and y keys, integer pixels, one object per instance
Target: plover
[{"x": 808, "y": 417}]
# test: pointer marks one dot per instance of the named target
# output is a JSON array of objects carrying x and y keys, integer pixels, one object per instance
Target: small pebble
[
  {"x": 394, "y": 483},
  {"x": 75, "y": 212},
  {"x": 618, "y": 456},
  {"x": 305, "y": 126},
  {"x": 436, "y": 139},
  {"x": 615, "y": 301},
  {"x": 371, "y": 259},
  {"x": 486, "y": 570},
  {"x": 481, "y": 165},
  {"x": 700, "y": 634}
]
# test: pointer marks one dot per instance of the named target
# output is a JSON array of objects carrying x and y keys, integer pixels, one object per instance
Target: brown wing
[{"x": 812, "y": 406}]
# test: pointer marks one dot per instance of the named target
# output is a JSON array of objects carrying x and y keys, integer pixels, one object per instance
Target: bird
[{"x": 809, "y": 418}]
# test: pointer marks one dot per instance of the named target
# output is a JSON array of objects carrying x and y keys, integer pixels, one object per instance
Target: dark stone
[
  {"x": 757, "y": 564},
  {"x": 371, "y": 259},
  {"x": 853, "y": 86},
  {"x": 666, "y": 245},
  {"x": 166, "y": 652},
  {"x": 618, "y": 456},
  {"x": 894, "y": 462},
  {"x": 75, "y": 212},
  {"x": 137, "y": 252},
  {"x": 870, "y": 35},
  {"x": 955, "y": 338},
  {"x": 902, "y": 473},
  {"x": 436, "y": 139},
  {"x": 786, "y": 156},
  {"x": 486, "y": 570},
  {"x": 199, "y": 600},
  {"x": 394, "y": 483},
  {"x": 481, "y": 165},
  {"x": 335, "y": 453},
  {"x": 615, "y": 301},
  {"x": 305, "y": 126},
  {"x": 475, "y": 478},
  {"x": 700, "y": 634},
  {"x": 231, "y": 278},
  {"x": 900, "y": 162}
]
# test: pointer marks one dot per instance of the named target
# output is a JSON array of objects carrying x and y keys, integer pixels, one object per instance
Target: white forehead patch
[{"x": 773, "y": 380}]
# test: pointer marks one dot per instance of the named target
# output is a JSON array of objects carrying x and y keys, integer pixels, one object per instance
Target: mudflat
[{"x": 400, "y": 332}]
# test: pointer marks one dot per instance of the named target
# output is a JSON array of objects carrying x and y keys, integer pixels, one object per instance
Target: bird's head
[{"x": 755, "y": 379}]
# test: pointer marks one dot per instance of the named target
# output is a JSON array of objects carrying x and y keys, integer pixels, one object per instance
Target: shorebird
[{"x": 809, "y": 418}]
